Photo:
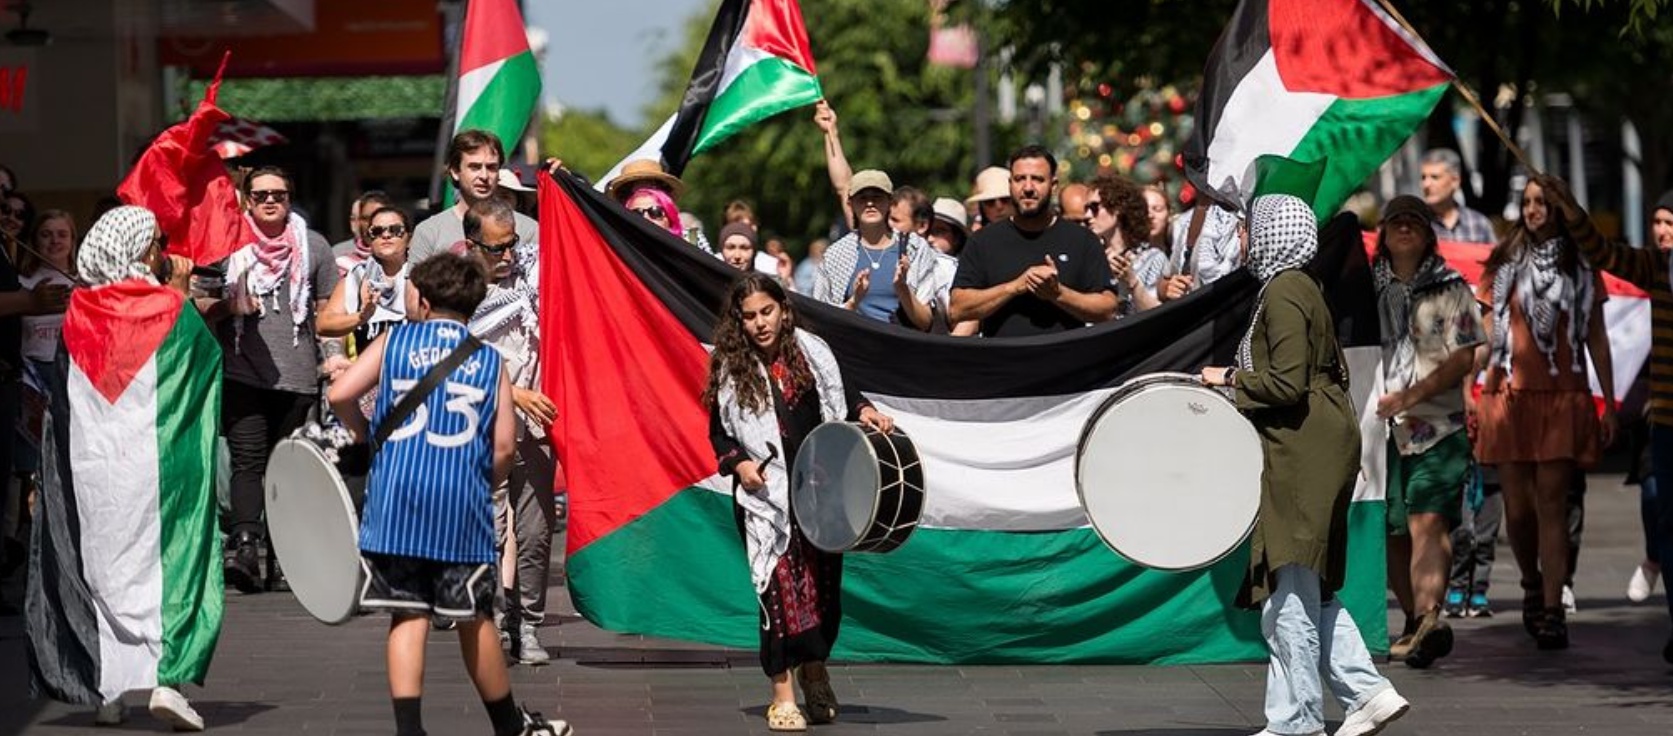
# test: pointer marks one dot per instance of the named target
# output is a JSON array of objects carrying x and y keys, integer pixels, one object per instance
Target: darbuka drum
[
  {"x": 1169, "y": 473},
  {"x": 855, "y": 489},
  {"x": 315, "y": 530}
]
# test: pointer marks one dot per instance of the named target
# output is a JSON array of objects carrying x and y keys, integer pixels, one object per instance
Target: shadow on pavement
[
  {"x": 216, "y": 714},
  {"x": 1183, "y": 731},
  {"x": 863, "y": 714}
]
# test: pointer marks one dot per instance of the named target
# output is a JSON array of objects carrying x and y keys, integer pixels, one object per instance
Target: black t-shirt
[{"x": 1001, "y": 252}]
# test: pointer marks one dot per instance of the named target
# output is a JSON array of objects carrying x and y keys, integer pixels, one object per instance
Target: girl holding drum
[
  {"x": 770, "y": 384},
  {"x": 1292, "y": 382}
]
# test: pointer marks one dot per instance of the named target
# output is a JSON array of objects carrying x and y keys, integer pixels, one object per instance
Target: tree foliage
[
  {"x": 896, "y": 112},
  {"x": 589, "y": 141}
]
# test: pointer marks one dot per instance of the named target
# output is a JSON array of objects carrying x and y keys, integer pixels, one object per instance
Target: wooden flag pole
[{"x": 1469, "y": 96}]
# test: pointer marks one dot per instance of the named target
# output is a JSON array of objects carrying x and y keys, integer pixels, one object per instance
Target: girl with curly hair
[{"x": 770, "y": 384}]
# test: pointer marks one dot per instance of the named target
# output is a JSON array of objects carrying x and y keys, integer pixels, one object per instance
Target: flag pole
[{"x": 1468, "y": 94}]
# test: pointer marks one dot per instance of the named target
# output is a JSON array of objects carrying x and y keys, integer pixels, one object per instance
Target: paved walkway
[{"x": 278, "y": 672}]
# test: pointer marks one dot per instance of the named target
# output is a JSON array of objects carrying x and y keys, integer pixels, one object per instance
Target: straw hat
[
  {"x": 643, "y": 170},
  {"x": 949, "y": 210},
  {"x": 993, "y": 183}
]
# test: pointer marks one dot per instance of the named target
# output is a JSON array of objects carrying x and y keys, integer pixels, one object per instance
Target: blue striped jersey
[{"x": 428, "y": 495}]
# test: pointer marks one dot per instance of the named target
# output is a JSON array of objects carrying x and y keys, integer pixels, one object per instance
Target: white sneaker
[
  {"x": 1265, "y": 732},
  {"x": 1642, "y": 584},
  {"x": 113, "y": 713},
  {"x": 1382, "y": 709},
  {"x": 169, "y": 706},
  {"x": 1568, "y": 600}
]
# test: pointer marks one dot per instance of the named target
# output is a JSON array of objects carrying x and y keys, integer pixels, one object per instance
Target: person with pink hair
[{"x": 655, "y": 205}]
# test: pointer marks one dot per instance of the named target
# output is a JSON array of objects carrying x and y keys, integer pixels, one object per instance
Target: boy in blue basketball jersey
[{"x": 427, "y": 530}]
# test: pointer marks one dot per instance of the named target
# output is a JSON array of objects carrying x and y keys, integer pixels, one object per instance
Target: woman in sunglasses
[
  {"x": 274, "y": 286},
  {"x": 370, "y": 298}
]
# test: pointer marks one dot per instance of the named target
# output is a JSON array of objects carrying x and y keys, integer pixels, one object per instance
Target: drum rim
[
  {"x": 870, "y": 451},
  {"x": 1164, "y": 379},
  {"x": 348, "y": 508}
]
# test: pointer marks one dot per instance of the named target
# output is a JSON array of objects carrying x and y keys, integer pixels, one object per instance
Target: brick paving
[{"x": 278, "y": 672}]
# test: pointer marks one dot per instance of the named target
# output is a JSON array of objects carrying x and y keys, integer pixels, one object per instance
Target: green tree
[
  {"x": 898, "y": 113},
  {"x": 589, "y": 141}
]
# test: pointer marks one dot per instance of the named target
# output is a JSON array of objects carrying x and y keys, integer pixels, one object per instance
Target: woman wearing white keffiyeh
[
  {"x": 770, "y": 384},
  {"x": 1291, "y": 381},
  {"x": 1539, "y": 425}
]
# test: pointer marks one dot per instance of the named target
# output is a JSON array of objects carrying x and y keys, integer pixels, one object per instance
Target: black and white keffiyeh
[
  {"x": 1394, "y": 310},
  {"x": 1535, "y": 278},
  {"x": 1283, "y": 235},
  {"x": 516, "y": 296},
  {"x": 115, "y": 245}
]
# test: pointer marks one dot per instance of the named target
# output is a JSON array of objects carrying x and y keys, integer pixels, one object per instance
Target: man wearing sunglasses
[
  {"x": 525, "y": 505},
  {"x": 473, "y": 164}
]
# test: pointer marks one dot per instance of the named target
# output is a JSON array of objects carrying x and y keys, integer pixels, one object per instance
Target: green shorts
[{"x": 1430, "y": 482}]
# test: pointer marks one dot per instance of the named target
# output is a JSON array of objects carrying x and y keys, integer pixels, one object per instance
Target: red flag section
[
  {"x": 110, "y": 332},
  {"x": 493, "y": 31},
  {"x": 181, "y": 179},
  {"x": 1348, "y": 49},
  {"x": 776, "y": 27},
  {"x": 625, "y": 375}
]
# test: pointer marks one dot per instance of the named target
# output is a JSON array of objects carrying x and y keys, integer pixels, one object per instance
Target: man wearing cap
[
  {"x": 473, "y": 164},
  {"x": 991, "y": 197},
  {"x": 1430, "y": 326},
  {"x": 1034, "y": 273},
  {"x": 1442, "y": 173},
  {"x": 859, "y": 268}
]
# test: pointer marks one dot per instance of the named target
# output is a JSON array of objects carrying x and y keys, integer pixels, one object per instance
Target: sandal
[
  {"x": 1552, "y": 632},
  {"x": 1533, "y": 606},
  {"x": 816, "y": 687},
  {"x": 785, "y": 717}
]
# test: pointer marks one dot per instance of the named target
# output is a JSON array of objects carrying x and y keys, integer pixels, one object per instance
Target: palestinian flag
[
  {"x": 1005, "y": 567},
  {"x": 499, "y": 81},
  {"x": 125, "y": 576},
  {"x": 1337, "y": 81},
  {"x": 756, "y": 64}
]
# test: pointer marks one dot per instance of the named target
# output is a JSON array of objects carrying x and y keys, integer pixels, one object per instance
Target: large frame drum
[
  {"x": 315, "y": 530},
  {"x": 1169, "y": 473},
  {"x": 855, "y": 489}
]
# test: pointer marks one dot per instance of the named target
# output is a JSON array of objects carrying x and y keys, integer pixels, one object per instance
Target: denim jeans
[
  {"x": 1661, "y": 461},
  {"x": 1306, "y": 638}
]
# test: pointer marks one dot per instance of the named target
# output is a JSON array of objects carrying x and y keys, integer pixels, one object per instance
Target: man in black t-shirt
[{"x": 1034, "y": 274}]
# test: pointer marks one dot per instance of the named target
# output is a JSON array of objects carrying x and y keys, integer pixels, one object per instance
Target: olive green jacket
[{"x": 1297, "y": 398}]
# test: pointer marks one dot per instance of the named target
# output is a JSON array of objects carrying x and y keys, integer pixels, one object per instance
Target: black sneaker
[
  {"x": 1552, "y": 632},
  {"x": 535, "y": 724},
  {"x": 242, "y": 569},
  {"x": 275, "y": 582}
]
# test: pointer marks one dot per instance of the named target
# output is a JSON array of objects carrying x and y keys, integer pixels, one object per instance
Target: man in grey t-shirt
[{"x": 473, "y": 163}]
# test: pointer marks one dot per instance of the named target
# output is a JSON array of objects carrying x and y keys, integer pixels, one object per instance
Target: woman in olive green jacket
[{"x": 1292, "y": 383}]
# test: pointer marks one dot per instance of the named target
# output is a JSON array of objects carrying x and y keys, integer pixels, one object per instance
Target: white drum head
[
  {"x": 314, "y": 529},
  {"x": 1169, "y": 473},
  {"x": 833, "y": 488}
]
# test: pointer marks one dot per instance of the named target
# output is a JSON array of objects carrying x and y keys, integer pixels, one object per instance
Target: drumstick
[{"x": 772, "y": 454}]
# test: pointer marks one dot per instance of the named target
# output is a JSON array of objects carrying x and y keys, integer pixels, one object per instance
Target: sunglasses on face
[
  {"x": 653, "y": 212},
  {"x": 378, "y": 231},
  {"x": 498, "y": 249},
  {"x": 1093, "y": 208},
  {"x": 263, "y": 196}
]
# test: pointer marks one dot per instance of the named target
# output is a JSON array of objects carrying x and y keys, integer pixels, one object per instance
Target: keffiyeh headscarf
[
  {"x": 1535, "y": 278},
  {"x": 1283, "y": 235},
  {"x": 114, "y": 246},
  {"x": 260, "y": 268},
  {"x": 1394, "y": 309}
]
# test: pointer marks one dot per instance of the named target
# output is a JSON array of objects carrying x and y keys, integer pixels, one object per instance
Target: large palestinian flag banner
[
  {"x": 1005, "y": 567},
  {"x": 1332, "y": 81},
  {"x": 125, "y": 587}
]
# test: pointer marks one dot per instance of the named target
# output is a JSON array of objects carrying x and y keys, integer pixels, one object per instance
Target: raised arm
[
  {"x": 836, "y": 162},
  {"x": 1637, "y": 265}
]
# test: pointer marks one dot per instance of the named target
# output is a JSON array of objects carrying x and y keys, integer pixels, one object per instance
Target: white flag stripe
[
  {"x": 118, "y": 496},
  {"x": 651, "y": 149},
  {"x": 471, "y": 86},
  {"x": 1260, "y": 117}
]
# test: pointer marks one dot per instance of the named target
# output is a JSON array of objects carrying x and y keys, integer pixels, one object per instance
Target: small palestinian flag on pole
[
  {"x": 756, "y": 64},
  {"x": 1333, "y": 81},
  {"x": 125, "y": 587}
]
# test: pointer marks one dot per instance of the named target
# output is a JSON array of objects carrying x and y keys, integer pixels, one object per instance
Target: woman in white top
[{"x": 53, "y": 241}]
